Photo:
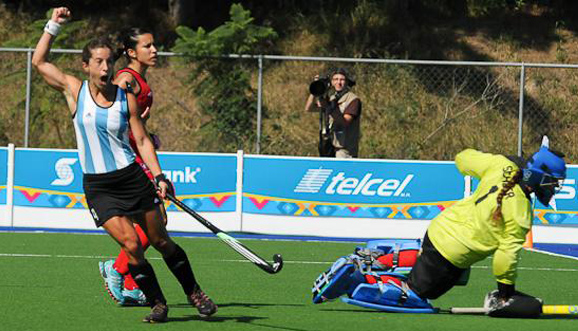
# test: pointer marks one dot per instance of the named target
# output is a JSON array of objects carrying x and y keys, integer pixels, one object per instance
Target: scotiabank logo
[
  {"x": 186, "y": 175},
  {"x": 369, "y": 185},
  {"x": 63, "y": 169}
]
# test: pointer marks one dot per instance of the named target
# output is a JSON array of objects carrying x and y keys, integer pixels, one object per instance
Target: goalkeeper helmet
[{"x": 544, "y": 173}]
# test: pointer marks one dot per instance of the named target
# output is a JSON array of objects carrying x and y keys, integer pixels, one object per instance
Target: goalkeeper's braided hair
[{"x": 508, "y": 185}]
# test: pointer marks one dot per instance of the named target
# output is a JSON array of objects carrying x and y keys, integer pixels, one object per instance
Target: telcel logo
[
  {"x": 368, "y": 186},
  {"x": 315, "y": 179},
  {"x": 182, "y": 176}
]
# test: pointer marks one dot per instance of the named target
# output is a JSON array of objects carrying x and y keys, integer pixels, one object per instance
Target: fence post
[
  {"x": 521, "y": 107},
  {"x": 239, "y": 191},
  {"x": 259, "y": 104},
  {"x": 28, "y": 83},
  {"x": 10, "y": 186}
]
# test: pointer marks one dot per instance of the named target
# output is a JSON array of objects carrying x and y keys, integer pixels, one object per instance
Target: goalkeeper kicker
[{"x": 493, "y": 221}]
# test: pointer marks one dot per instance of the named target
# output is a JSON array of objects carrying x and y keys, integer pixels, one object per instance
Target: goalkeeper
[{"x": 494, "y": 220}]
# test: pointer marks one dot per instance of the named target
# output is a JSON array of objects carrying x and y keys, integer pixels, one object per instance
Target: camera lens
[{"x": 318, "y": 87}]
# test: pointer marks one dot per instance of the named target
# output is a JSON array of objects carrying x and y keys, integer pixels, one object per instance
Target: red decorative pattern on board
[
  {"x": 218, "y": 202},
  {"x": 30, "y": 197},
  {"x": 259, "y": 204},
  {"x": 353, "y": 209}
]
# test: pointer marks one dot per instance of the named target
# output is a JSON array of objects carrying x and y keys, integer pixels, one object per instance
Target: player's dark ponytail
[
  {"x": 129, "y": 39},
  {"x": 508, "y": 185}
]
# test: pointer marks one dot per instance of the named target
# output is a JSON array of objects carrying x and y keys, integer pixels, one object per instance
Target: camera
[{"x": 320, "y": 86}]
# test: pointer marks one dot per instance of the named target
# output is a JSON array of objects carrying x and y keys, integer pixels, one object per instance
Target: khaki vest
[{"x": 346, "y": 137}]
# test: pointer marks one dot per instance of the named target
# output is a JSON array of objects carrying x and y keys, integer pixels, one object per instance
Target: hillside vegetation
[{"x": 409, "y": 111}]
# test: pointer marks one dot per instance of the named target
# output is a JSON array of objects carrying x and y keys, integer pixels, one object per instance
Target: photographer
[{"x": 340, "y": 112}]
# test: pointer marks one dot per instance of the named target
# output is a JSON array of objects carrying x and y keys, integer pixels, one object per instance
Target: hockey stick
[
  {"x": 546, "y": 310},
  {"x": 234, "y": 243}
]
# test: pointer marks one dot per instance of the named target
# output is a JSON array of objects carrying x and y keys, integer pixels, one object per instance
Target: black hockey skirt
[{"x": 123, "y": 192}]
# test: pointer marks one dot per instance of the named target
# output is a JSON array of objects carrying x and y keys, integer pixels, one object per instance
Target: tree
[{"x": 223, "y": 87}]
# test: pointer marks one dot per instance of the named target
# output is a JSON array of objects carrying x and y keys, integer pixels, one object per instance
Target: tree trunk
[
  {"x": 182, "y": 11},
  {"x": 193, "y": 13}
]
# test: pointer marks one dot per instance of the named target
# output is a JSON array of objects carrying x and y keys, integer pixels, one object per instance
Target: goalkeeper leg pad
[
  {"x": 390, "y": 297},
  {"x": 387, "y": 245},
  {"x": 399, "y": 255},
  {"x": 342, "y": 278}
]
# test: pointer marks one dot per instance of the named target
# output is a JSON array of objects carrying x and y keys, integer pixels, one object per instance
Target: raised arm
[
  {"x": 68, "y": 85},
  {"x": 310, "y": 104},
  {"x": 474, "y": 163}
]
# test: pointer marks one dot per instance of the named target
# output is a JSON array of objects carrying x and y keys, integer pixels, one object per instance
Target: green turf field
[{"x": 51, "y": 282}]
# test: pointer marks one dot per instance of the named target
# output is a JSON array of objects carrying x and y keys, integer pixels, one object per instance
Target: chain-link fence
[{"x": 425, "y": 110}]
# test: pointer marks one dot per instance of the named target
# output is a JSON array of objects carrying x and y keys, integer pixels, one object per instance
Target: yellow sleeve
[
  {"x": 475, "y": 163},
  {"x": 516, "y": 226},
  {"x": 506, "y": 263}
]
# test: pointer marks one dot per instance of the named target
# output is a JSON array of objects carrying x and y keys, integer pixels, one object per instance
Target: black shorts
[
  {"x": 433, "y": 275},
  {"x": 124, "y": 192}
]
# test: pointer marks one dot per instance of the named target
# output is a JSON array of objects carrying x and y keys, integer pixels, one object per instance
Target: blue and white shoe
[
  {"x": 134, "y": 297},
  {"x": 113, "y": 281}
]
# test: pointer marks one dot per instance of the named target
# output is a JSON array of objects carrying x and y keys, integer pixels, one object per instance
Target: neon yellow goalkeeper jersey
[{"x": 465, "y": 232}]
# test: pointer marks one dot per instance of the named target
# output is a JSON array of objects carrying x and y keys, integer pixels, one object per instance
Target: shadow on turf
[
  {"x": 217, "y": 319},
  {"x": 239, "y": 319},
  {"x": 353, "y": 310},
  {"x": 241, "y": 304}
]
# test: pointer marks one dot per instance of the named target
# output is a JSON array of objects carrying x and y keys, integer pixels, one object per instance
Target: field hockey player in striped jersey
[
  {"x": 139, "y": 49},
  {"x": 117, "y": 191},
  {"x": 141, "y": 53}
]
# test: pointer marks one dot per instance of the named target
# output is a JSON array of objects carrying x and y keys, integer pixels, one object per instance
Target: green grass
[{"x": 51, "y": 282}]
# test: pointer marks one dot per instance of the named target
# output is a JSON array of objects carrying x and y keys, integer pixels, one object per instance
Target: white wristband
[{"x": 52, "y": 28}]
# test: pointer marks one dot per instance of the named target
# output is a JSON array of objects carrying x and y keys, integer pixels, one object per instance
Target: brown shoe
[
  {"x": 159, "y": 314},
  {"x": 203, "y": 303}
]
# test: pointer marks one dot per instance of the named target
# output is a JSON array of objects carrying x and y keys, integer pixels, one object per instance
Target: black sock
[
  {"x": 145, "y": 277},
  {"x": 179, "y": 264}
]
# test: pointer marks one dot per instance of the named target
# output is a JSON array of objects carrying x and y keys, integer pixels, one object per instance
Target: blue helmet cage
[{"x": 544, "y": 173}]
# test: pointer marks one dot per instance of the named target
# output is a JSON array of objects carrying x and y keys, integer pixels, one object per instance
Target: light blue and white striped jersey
[{"x": 102, "y": 133}]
